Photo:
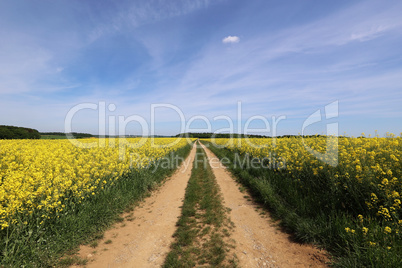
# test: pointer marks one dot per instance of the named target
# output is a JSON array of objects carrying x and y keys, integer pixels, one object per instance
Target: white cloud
[{"x": 231, "y": 39}]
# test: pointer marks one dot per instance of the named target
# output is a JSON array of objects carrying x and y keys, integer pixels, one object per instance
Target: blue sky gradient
[{"x": 286, "y": 58}]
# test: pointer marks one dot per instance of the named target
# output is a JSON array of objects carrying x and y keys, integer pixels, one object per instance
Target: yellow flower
[
  {"x": 387, "y": 230},
  {"x": 395, "y": 194},
  {"x": 365, "y": 230},
  {"x": 36, "y": 174}
]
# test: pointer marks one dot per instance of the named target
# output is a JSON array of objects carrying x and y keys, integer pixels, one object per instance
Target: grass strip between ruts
[{"x": 203, "y": 233}]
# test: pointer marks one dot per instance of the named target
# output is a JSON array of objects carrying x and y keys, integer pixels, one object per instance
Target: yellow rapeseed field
[
  {"x": 366, "y": 167},
  {"x": 39, "y": 176}
]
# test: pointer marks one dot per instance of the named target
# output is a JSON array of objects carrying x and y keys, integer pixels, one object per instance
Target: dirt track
[
  {"x": 144, "y": 238},
  {"x": 259, "y": 243}
]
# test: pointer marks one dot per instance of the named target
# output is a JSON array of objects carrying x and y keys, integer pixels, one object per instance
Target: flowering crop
[
  {"x": 366, "y": 182},
  {"x": 41, "y": 177}
]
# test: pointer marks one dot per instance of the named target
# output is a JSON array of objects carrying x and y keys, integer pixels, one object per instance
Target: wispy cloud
[
  {"x": 133, "y": 15},
  {"x": 26, "y": 66}
]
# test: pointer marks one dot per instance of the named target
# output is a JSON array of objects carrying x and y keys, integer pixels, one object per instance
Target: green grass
[
  {"x": 200, "y": 236},
  {"x": 35, "y": 245},
  {"x": 313, "y": 214},
  {"x": 53, "y": 137},
  {"x": 72, "y": 260}
]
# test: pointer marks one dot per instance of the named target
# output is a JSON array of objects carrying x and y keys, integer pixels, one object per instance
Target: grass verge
[
  {"x": 202, "y": 236},
  {"x": 36, "y": 245}
]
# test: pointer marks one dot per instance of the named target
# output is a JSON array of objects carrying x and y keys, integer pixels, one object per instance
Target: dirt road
[{"x": 144, "y": 238}]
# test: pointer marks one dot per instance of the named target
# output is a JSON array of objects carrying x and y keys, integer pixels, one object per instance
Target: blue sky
[{"x": 278, "y": 58}]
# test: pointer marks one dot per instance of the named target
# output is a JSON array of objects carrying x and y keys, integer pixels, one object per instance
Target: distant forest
[
  {"x": 61, "y": 135},
  {"x": 12, "y": 132},
  {"x": 218, "y": 135},
  {"x": 234, "y": 135}
]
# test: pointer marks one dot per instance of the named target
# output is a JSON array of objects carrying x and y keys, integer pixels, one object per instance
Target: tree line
[
  {"x": 76, "y": 135},
  {"x": 208, "y": 135},
  {"x": 12, "y": 132}
]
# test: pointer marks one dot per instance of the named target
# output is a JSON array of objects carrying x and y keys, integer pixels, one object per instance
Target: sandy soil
[
  {"x": 144, "y": 238},
  {"x": 259, "y": 242}
]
